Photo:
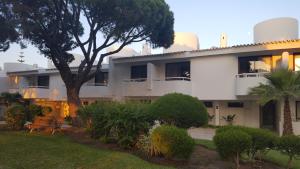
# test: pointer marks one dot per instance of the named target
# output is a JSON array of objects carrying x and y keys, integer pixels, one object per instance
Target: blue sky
[{"x": 206, "y": 18}]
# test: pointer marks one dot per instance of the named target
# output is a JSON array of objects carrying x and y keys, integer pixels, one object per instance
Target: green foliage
[
  {"x": 232, "y": 143},
  {"x": 289, "y": 145},
  {"x": 8, "y": 33},
  {"x": 15, "y": 116},
  {"x": 262, "y": 140},
  {"x": 229, "y": 118},
  {"x": 172, "y": 142},
  {"x": 282, "y": 83},
  {"x": 10, "y": 98},
  {"x": 33, "y": 110},
  {"x": 180, "y": 110},
  {"x": 123, "y": 122}
]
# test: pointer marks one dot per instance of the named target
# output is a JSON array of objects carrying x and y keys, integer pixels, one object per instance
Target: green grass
[
  {"x": 281, "y": 159},
  {"x": 206, "y": 143},
  {"x": 28, "y": 151},
  {"x": 273, "y": 156}
]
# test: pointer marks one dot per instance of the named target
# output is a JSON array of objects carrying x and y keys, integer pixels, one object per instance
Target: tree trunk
[
  {"x": 287, "y": 123},
  {"x": 73, "y": 100},
  {"x": 289, "y": 165},
  {"x": 237, "y": 161}
]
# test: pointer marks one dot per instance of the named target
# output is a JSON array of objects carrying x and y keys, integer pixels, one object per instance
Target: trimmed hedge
[
  {"x": 172, "y": 142},
  {"x": 262, "y": 139},
  {"x": 232, "y": 143},
  {"x": 180, "y": 110}
]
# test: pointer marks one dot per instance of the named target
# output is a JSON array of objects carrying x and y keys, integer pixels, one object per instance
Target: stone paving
[{"x": 202, "y": 133}]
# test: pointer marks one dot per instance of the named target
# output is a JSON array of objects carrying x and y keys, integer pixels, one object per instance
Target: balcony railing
[
  {"x": 135, "y": 80},
  {"x": 39, "y": 87},
  {"x": 245, "y": 75},
  {"x": 178, "y": 78},
  {"x": 96, "y": 84},
  {"x": 246, "y": 81}
]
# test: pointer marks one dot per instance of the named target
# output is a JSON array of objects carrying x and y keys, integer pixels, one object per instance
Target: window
[
  {"x": 43, "y": 81},
  {"x": 101, "y": 79},
  {"x": 139, "y": 72},
  {"x": 298, "y": 110},
  {"x": 235, "y": 104},
  {"x": 178, "y": 71},
  {"x": 255, "y": 64},
  {"x": 208, "y": 104},
  {"x": 297, "y": 62}
]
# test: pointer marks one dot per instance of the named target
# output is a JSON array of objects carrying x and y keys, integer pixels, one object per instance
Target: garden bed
[{"x": 202, "y": 157}]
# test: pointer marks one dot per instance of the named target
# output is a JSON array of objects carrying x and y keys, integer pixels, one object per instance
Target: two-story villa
[{"x": 221, "y": 76}]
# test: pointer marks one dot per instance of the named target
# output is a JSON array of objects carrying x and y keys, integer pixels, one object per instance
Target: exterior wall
[
  {"x": 213, "y": 77},
  {"x": 246, "y": 116},
  {"x": 296, "y": 123}
]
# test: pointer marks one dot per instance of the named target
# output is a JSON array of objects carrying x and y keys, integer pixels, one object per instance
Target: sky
[{"x": 206, "y": 18}]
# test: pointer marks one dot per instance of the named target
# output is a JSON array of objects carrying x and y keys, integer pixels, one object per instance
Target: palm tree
[{"x": 283, "y": 85}]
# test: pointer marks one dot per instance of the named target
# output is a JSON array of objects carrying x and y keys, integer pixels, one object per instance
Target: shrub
[
  {"x": 172, "y": 142},
  {"x": 180, "y": 110},
  {"x": 32, "y": 111},
  {"x": 15, "y": 116},
  {"x": 262, "y": 139},
  {"x": 289, "y": 145},
  {"x": 123, "y": 122},
  {"x": 232, "y": 143}
]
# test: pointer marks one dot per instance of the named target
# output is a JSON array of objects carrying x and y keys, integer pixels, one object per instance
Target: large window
[
  {"x": 101, "y": 79},
  {"x": 255, "y": 64},
  {"x": 178, "y": 71},
  {"x": 298, "y": 110},
  {"x": 297, "y": 62},
  {"x": 139, "y": 72},
  {"x": 43, "y": 81}
]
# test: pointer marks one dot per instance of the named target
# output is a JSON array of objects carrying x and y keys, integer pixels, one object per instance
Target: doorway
[{"x": 268, "y": 116}]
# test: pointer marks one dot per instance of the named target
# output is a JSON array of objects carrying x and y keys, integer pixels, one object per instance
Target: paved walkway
[{"x": 202, "y": 133}]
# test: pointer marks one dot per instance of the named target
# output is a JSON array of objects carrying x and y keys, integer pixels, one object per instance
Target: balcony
[
  {"x": 94, "y": 90},
  {"x": 246, "y": 81},
  {"x": 35, "y": 92},
  {"x": 157, "y": 87}
]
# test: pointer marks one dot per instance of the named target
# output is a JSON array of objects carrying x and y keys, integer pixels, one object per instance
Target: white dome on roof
[
  {"x": 183, "y": 41},
  {"x": 277, "y": 29}
]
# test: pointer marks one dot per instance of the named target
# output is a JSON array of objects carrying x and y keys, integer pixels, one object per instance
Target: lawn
[
  {"x": 27, "y": 151},
  {"x": 272, "y": 156}
]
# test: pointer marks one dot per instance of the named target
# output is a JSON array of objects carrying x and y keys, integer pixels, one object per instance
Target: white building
[{"x": 220, "y": 77}]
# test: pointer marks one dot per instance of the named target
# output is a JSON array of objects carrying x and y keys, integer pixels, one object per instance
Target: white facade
[{"x": 220, "y": 77}]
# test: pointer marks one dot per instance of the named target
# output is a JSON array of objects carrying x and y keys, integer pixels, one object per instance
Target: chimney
[
  {"x": 146, "y": 49},
  {"x": 223, "y": 40}
]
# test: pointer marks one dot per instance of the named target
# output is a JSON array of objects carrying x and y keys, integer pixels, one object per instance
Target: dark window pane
[
  {"x": 255, "y": 64},
  {"x": 178, "y": 70},
  {"x": 208, "y": 104},
  {"x": 101, "y": 79},
  {"x": 139, "y": 72},
  {"x": 235, "y": 104},
  {"x": 43, "y": 81}
]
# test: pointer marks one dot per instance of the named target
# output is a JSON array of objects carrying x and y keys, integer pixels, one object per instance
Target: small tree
[
  {"x": 289, "y": 145},
  {"x": 56, "y": 27},
  {"x": 283, "y": 85}
]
